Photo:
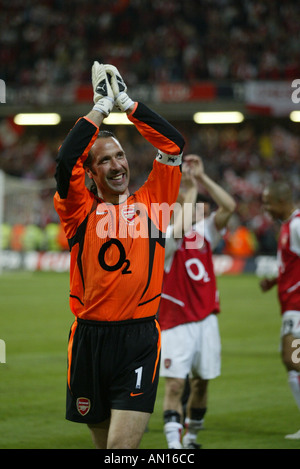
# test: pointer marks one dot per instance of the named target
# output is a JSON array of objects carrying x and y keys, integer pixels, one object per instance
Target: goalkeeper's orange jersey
[{"x": 117, "y": 251}]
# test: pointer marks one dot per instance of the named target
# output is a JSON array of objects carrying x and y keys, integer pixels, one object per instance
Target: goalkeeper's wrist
[
  {"x": 104, "y": 105},
  {"x": 124, "y": 102}
]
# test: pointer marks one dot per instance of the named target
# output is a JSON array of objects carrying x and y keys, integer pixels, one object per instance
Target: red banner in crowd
[{"x": 178, "y": 92}]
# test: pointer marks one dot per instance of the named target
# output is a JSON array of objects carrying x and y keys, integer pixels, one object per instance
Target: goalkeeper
[{"x": 115, "y": 276}]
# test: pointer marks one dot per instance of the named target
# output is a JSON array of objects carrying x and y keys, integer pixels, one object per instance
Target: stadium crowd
[{"x": 149, "y": 40}]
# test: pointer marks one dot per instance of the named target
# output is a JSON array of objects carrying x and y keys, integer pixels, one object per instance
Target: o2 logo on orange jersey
[{"x": 122, "y": 261}]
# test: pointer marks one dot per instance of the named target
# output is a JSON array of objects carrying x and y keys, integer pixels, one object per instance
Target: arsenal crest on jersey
[
  {"x": 83, "y": 405},
  {"x": 129, "y": 214}
]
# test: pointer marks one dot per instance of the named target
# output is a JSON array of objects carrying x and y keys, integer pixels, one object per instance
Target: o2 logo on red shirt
[{"x": 196, "y": 270}]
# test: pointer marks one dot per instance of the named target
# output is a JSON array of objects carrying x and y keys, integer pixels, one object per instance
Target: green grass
[{"x": 250, "y": 404}]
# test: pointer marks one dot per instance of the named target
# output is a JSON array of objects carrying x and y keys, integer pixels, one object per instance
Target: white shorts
[
  {"x": 192, "y": 349},
  {"x": 290, "y": 324}
]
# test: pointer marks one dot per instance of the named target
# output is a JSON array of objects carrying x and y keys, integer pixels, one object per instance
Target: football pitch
[{"x": 250, "y": 405}]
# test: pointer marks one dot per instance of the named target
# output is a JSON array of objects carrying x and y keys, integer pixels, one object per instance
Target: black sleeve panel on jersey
[
  {"x": 73, "y": 147},
  {"x": 79, "y": 238},
  {"x": 159, "y": 124}
]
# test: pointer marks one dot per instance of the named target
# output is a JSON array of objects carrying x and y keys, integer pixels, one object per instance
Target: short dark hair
[
  {"x": 105, "y": 134},
  {"x": 281, "y": 191}
]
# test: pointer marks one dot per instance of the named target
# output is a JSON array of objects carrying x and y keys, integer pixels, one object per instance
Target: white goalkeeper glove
[
  {"x": 103, "y": 94},
  {"x": 122, "y": 100}
]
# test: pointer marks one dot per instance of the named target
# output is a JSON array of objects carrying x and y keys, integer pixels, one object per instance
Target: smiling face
[{"x": 109, "y": 170}]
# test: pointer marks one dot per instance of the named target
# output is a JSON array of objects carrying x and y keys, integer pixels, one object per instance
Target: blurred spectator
[{"x": 241, "y": 242}]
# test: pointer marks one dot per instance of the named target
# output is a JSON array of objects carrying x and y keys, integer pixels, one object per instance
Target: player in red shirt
[
  {"x": 278, "y": 202},
  {"x": 116, "y": 242},
  {"x": 190, "y": 303}
]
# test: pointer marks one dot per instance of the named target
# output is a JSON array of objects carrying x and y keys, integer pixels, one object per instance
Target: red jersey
[
  {"x": 117, "y": 251},
  {"x": 189, "y": 287},
  {"x": 288, "y": 256}
]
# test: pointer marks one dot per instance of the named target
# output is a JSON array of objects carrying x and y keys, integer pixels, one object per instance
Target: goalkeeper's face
[{"x": 109, "y": 170}]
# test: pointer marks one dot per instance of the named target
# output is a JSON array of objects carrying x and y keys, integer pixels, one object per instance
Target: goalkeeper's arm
[{"x": 157, "y": 130}]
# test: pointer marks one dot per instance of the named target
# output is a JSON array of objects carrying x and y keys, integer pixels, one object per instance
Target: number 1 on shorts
[{"x": 138, "y": 371}]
